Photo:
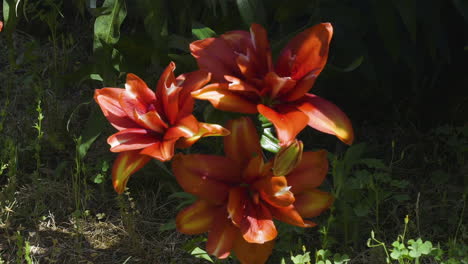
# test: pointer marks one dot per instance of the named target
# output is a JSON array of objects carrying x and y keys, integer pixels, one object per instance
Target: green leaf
[
  {"x": 200, "y": 253},
  {"x": 95, "y": 124},
  {"x": 252, "y": 11},
  {"x": 351, "y": 67},
  {"x": 9, "y": 14},
  {"x": 107, "y": 25},
  {"x": 268, "y": 141},
  {"x": 201, "y": 31},
  {"x": 171, "y": 225},
  {"x": 301, "y": 259},
  {"x": 98, "y": 179},
  {"x": 373, "y": 163}
]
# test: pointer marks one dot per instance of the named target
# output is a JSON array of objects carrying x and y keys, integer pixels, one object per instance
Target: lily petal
[
  {"x": 310, "y": 172},
  {"x": 126, "y": 164},
  {"x": 161, "y": 150},
  {"x": 185, "y": 127},
  {"x": 275, "y": 191},
  {"x": 132, "y": 106},
  {"x": 237, "y": 201},
  {"x": 261, "y": 44},
  {"x": 290, "y": 215},
  {"x": 131, "y": 139},
  {"x": 256, "y": 169},
  {"x": 243, "y": 142},
  {"x": 302, "y": 86},
  {"x": 215, "y": 55},
  {"x": 288, "y": 121},
  {"x": 190, "y": 82},
  {"x": 197, "y": 218},
  {"x": 205, "y": 130},
  {"x": 168, "y": 92},
  {"x": 151, "y": 120},
  {"x": 108, "y": 100},
  {"x": 257, "y": 226},
  {"x": 221, "y": 236},
  {"x": 138, "y": 89},
  {"x": 204, "y": 175},
  {"x": 275, "y": 85},
  {"x": 252, "y": 253},
  {"x": 312, "y": 203},
  {"x": 222, "y": 98},
  {"x": 326, "y": 117},
  {"x": 306, "y": 52}
]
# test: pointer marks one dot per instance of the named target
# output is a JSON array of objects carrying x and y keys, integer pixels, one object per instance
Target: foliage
[{"x": 395, "y": 67}]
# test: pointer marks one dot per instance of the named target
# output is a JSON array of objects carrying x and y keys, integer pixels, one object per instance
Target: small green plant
[
  {"x": 322, "y": 256},
  {"x": 24, "y": 249},
  {"x": 404, "y": 252}
]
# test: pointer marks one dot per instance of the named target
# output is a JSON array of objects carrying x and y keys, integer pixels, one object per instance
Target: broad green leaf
[
  {"x": 201, "y": 31},
  {"x": 107, "y": 25},
  {"x": 252, "y": 11}
]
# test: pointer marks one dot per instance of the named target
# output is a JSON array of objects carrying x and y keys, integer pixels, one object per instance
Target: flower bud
[{"x": 287, "y": 158}]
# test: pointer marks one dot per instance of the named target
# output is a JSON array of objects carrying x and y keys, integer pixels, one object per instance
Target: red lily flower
[
  {"x": 247, "y": 82},
  {"x": 238, "y": 195},
  {"x": 152, "y": 124}
]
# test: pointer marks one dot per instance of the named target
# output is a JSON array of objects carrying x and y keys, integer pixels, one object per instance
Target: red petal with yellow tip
[
  {"x": 309, "y": 173},
  {"x": 162, "y": 150},
  {"x": 197, "y": 218},
  {"x": 190, "y": 82},
  {"x": 223, "y": 99},
  {"x": 237, "y": 201},
  {"x": 221, "y": 236},
  {"x": 312, "y": 203},
  {"x": 288, "y": 121},
  {"x": 151, "y": 120},
  {"x": 185, "y": 127},
  {"x": 290, "y": 215},
  {"x": 326, "y": 117},
  {"x": 205, "y": 130},
  {"x": 275, "y": 191},
  {"x": 131, "y": 139},
  {"x": 216, "y": 56},
  {"x": 257, "y": 226},
  {"x": 108, "y": 100},
  {"x": 138, "y": 89},
  {"x": 204, "y": 175},
  {"x": 306, "y": 52},
  {"x": 243, "y": 142},
  {"x": 126, "y": 164},
  {"x": 251, "y": 253}
]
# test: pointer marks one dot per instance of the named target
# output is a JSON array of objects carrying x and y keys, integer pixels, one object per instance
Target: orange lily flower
[
  {"x": 152, "y": 124},
  {"x": 238, "y": 195},
  {"x": 247, "y": 81}
]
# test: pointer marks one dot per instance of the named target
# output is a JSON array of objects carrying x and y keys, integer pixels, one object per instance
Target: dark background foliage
[{"x": 398, "y": 68}]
